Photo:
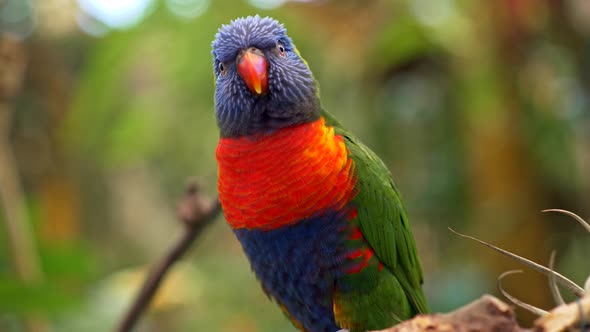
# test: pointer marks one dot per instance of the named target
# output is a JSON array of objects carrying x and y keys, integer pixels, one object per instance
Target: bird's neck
[
  {"x": 249, "y": 117},
  {"x": 272, "y": 180}
]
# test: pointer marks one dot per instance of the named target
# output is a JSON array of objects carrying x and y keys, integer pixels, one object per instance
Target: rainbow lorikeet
[{"x": 315, "y": 210}]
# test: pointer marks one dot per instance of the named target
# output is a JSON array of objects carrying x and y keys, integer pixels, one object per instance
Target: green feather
[{"x": 384, "y": 224}]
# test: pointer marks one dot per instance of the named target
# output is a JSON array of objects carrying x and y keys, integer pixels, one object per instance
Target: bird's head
[{"x": 262, "y": 84}]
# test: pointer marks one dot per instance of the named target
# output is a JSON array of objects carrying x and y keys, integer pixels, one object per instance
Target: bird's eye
[
  {"x": 222, "y": 68},
  {"x": 281, "y": 49}
]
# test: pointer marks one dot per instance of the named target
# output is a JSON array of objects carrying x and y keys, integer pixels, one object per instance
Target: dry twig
[
  {"x": 577, "y": 218},
  {"x": 579, "y": 291},
  {"x": 196, "y": 212},
  {"x": 552, "y": 283},
  {"x": 531, "y": 308},
  {"x": 566, "y": 316}
]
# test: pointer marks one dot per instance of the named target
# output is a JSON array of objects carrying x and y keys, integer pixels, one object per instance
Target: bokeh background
[{"x": 481, "y": 109}]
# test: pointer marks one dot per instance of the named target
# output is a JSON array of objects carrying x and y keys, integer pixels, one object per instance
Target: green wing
[{"x": 382, "y": 217}]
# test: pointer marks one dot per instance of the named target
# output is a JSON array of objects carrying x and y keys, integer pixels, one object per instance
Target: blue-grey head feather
[{"x": 291, "y": 98}]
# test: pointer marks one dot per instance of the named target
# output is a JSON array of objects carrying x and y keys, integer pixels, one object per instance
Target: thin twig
[
  {"x": 552, "y": 283},
  {"x": 582, "y": 222},
  {"x": 526, "y": 306},
  {"x": 196, "y": 213},
  {"x": 538, "y": 267}
]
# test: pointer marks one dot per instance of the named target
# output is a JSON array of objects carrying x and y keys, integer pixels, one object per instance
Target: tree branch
[{"x": 195, "y": 212}]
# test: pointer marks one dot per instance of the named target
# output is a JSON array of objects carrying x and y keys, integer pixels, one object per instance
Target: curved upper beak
[{"x": 252, "y": 67}]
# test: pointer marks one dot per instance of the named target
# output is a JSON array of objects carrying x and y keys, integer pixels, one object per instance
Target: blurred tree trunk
[
  {"x": 23, "y": 247},
  {"x": 59, "y": 196},
  {"x": 32, "y": 157}
]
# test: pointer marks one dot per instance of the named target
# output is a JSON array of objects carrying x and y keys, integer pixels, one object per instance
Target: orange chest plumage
[{"x": 273, "y": 180}]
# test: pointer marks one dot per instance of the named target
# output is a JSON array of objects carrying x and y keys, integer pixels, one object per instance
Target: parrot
[{"x": 315, "y": 211}]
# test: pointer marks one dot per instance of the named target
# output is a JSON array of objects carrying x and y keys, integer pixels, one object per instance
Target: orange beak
[{"x": 252, "y": 67}]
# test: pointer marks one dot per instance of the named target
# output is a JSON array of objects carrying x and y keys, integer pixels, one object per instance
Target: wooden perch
[
  {"x": 490, "y": 314},
  {"x": 484, "y": 314},
  {"x": 565, "y": 317}
]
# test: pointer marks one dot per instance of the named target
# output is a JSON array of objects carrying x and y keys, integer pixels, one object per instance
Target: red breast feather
[{"x": 273, "y": 180}]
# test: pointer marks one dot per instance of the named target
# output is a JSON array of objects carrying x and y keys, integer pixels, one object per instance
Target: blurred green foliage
[{"x": 480, "y": 109}]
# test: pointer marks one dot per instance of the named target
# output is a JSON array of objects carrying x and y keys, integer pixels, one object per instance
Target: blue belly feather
[{"x": 299, "y": 265}]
